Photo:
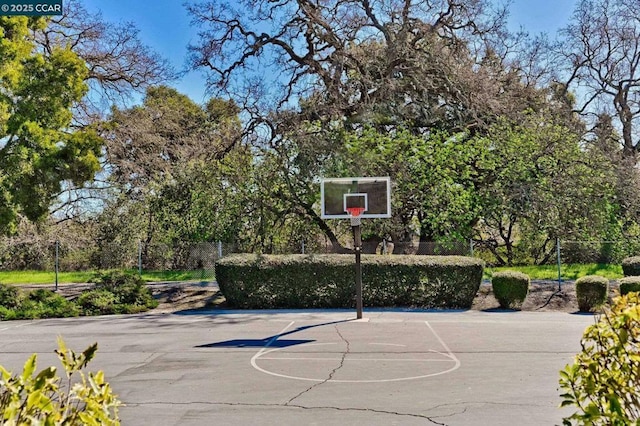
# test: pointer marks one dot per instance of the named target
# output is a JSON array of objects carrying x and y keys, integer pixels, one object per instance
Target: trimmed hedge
[
  {"x": 510, "y": 288},
  {"x": 327, "y": 281},
  {"x": 591, "y": 292},
  {"x": 629, "y": 285},
  {"x": 631, "y": 266}
]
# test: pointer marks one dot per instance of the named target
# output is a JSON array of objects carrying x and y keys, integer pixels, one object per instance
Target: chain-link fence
[
  {"x": 194, "y": 260},
  {"x": 197, "y": 259},
  {"x": 600, "y": 252}
]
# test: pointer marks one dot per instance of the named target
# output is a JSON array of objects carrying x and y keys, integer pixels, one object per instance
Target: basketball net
[{"x": 355, "y": 213}]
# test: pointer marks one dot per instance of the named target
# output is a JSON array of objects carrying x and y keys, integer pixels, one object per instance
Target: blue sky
[{"x": 165, "y": 26}]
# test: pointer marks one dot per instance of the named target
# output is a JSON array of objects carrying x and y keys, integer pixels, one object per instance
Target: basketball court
[{"x": 320, "y": 367}]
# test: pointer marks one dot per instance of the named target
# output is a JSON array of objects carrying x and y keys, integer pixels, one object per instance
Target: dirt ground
[
  {"x": 543, "y": 296},
  {"x": 187, "y": 297}
]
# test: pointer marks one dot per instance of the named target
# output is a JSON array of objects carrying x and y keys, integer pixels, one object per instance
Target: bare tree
[
  {"x": 119, "y": 64},
  {"x": 392, "y": 60},
  {"x": 600, "y": 54}
]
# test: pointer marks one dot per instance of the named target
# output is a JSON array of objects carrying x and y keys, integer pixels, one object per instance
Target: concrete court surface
[{"x": 320, "y": 367}]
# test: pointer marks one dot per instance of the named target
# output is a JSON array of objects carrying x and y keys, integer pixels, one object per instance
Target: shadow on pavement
[{"x": 272, "y": 341}]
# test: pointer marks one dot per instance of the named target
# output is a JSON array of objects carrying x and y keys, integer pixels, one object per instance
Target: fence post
[
  {"x": 57, "y": 262},
  {"x": 559, "y": 263},
  {"x": 302, "y": 246},
  {"x": 219, "y": 249},
  {"x": 140, "y": 257},
  {"x": 384, "y": 245},
  {"x": 471, "y": 246}
]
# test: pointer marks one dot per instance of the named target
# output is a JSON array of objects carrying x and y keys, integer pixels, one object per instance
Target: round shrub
[
  {"x": 510, "y": 288},
  {"x": 591, "y": 292},
  {"x": 631, "y": 266},
  {"x": 9, "y": 296},
  {"x": 629, "y": 284}
]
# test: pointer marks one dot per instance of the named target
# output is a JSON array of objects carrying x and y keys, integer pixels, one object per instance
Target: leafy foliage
[
  {"x": 603, "y": 383},
  {"x": 9, "y": 296},
  {"x": 510, "y": 288},
  {"x": 40, "y": 303},
  {"x": 26, "y": 399},
  {"x": 38, "y": 152},
  {"x": 117, "y": 292},
  {"x": 592, "y": 292},
  {"x": 97, "y": 302},
  {"x": 181, "y": 170},
  {"x": 433, "y": 179},
  {"x": 538, "y": 184},
  {"x": 326, "y": 281},
  {"x": 44, "y": 303}
]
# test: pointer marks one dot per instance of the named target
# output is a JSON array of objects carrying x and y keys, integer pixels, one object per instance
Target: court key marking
[{"x": 266, "y": 350}]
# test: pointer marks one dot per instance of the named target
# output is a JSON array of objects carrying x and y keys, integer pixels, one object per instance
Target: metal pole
[
  {"x": 57, "y": 262},
  {"x": 219, "y": 249},
  {"x": 140, "y": 257},
  {"x": 357, "y": 244},
  {"x": 559, "y": 263},
  {"x": 471, "y": 246},
  {"x": 302, "y": 246}
]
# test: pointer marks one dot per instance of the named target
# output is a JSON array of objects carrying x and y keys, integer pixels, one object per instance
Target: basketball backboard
[{"x": 373, "y": 194}]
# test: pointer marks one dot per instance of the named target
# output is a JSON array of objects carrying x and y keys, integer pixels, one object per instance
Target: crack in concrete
[
  {"x": 467, "y": 403},
  {"x": 372, "y": 410},
  {"x": 287, "y": 405},
  {"x": 331, "y": 374}
]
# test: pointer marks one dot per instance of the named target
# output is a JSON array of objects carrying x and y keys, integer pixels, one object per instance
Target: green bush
[
  {"x": 114, "y": 293},
  {"x": 97, "y": 302},
  {"x": 592, "y": 292},
  {"x": 603, "y": 383},
  {"x": 631, "y": 266},
  {"x": 7, "y": 314},
  {"x": 39, "y": 303},
  {"x": 327, "y": 281},
  {"x": 510, "y": 288},
  {"x": 26, "y": 399},
  {"x": 44, "y": 303},
  {"x": 129, "y": 291},
  {"x": 629, "y": 284},
  {"x": 9, "y": 296}
]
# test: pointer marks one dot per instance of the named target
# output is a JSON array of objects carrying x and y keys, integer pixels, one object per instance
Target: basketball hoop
[{"x": 354, "y": 213}]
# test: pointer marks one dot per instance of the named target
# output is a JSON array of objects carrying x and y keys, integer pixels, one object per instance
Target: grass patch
[
  {"x": 49, "y": 278},
  {"x": 198, "y": 275},
  {"x": 43, "y": 277},
  {"x": 569, "y": 272}
]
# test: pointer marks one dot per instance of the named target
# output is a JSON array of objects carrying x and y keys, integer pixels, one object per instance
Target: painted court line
[
  {"x": 261, "y": 355},
  {"x": 15, "y": 326},
  {"x": 353, "y": 359}
]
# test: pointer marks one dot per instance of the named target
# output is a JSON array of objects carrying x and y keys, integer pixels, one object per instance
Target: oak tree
[
  {"x": 599, "y": 54},
  {"x": 39, "y": 149}
]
